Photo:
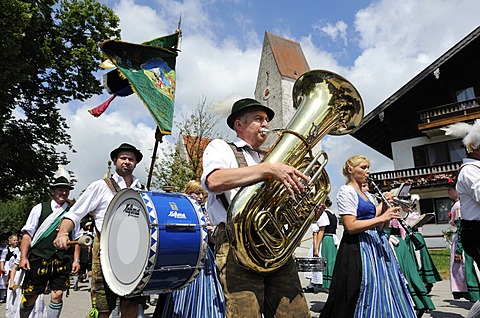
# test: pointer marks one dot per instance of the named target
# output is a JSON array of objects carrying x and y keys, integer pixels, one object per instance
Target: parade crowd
[{"x": 379, "y": 267}]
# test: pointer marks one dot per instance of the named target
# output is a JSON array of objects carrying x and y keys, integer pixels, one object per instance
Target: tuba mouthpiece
[{"x": 264, "y": 131}]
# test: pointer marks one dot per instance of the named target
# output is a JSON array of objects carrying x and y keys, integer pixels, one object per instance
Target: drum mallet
[{"x": 85, "y": 240}]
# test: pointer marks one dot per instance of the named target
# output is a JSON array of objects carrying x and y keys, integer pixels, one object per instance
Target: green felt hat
[
  {"x": 243, "y": 105},
  {"x": 61, "y": 182}
]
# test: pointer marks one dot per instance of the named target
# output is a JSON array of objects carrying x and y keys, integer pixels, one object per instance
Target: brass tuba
[{"x": 266, "y": 224}]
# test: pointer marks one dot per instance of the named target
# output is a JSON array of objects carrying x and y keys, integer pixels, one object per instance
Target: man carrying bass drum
[{"x": 96, "y": 199}]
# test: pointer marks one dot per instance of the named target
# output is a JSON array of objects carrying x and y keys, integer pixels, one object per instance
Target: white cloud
[
  {"x": 334, "y": 31},
  {"x": 94, "y": 139}
]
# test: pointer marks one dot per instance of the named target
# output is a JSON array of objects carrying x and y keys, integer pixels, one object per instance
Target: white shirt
[
  {"x": 9, "y": 262},
  {"x": 347, "y": 200},
  {"x": 32, "y": 223},
  {"x": 96, "y": 199},
  {"x": 468, "y": 189},
  {"x": 219, "y": 155},
  {"x": 323, "y": 220}
]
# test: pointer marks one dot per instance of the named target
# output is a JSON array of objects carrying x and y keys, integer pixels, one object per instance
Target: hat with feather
[
  {"x": 61, "y": 179},
  {"x": 470, "y": 134}
]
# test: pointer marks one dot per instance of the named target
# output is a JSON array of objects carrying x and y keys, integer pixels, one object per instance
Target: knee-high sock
[
  {"x": 54, "y": 309},
  {"x": 25, "y": 311},
  {"x": 474, "y": 311}
]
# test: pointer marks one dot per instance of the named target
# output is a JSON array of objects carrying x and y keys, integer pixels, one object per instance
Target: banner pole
[{"x": 158, "y": 138}]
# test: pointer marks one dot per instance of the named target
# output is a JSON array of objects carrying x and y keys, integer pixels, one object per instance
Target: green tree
[
  {"x": 49, "y": 52},
  {"x": 13, "y": 214},
  {"x": 183, "y": 162},
  {"x": 173, "y": 170}
]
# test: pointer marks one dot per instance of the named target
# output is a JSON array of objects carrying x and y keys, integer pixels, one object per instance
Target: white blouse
[{"x": 347, "y": 200}]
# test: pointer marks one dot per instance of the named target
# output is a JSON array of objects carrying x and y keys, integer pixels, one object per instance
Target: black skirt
[{"x": 346, "y": 280}]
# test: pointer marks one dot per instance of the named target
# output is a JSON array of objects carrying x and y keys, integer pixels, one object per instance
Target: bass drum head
[{"x": 125, "y": 242}]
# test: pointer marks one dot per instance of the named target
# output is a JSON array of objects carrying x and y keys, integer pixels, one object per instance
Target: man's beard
[{"x": 124, "y": 171}]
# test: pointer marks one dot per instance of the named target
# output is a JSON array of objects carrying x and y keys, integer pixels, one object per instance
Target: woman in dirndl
[
  {"x": 318, "y": 230},
  {"x": 367, "y": 281},
  {"x": 329, "y": 246},
  {"x": 425, "y": 265},
  {"x": 408, "y": 266}
]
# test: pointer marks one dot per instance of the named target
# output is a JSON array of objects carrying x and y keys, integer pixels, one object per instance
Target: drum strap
[{"x": 112, "y": 184}]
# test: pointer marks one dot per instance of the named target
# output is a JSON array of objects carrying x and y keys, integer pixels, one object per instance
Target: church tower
[{"x": 282, "y": 62}]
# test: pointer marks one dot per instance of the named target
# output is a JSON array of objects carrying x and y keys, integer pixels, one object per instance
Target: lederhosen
[{"x": 48, "y": 267}]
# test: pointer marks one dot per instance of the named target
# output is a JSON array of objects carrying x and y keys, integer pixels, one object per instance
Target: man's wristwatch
[{"x": 76, "y": 260}]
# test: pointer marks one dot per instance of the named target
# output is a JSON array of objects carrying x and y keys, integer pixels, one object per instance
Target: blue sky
[{"x": 377, "y": 45}]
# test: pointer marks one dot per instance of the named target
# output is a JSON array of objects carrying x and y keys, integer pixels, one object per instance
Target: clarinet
[{"x": 416, "y": 242}]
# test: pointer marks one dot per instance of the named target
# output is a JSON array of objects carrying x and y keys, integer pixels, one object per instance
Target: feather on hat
[
  {"x": 469, "y": 133},
  {"x": 61, "y": 178},
  {"x": 472, "y": 139}
]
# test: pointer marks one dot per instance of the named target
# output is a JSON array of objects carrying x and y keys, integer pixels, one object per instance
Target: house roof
[
  {"x": 397, "y": 117},
  {"x": 288, "y": 55},
  {"x": 196, "y": 146}
]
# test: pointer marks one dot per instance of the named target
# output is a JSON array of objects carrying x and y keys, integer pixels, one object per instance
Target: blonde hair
[
  {"x": 353, "y": 162},
  {"x": 193, "y": 186},
  {"x": 11, "y": 237}
]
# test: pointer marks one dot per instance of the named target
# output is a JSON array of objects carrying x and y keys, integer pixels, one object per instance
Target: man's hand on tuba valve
[{"x": 289, "y": 176}]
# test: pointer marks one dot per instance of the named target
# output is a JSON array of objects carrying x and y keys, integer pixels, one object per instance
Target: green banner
[{"x": 151, "y": 72}]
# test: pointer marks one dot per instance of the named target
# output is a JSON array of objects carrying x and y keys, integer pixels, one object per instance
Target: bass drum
[{"x": 151, "y": 242}]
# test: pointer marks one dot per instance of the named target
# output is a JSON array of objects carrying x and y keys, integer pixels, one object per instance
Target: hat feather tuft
[
  {"x": 61, "y": 172},
  {"x": 459, "y": 130},
  {"x": 472, "y": 140}
]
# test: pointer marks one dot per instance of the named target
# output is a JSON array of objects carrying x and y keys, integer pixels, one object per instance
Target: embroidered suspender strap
[
  {"x": 242, "y": 162},
  {"x": 112, "y": 184}
]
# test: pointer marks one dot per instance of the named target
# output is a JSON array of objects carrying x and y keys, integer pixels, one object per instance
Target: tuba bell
[{"x": 264, "y": 222}]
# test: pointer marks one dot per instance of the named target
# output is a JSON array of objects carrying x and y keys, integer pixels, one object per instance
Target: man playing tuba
[{"x": 226, "y": 168}]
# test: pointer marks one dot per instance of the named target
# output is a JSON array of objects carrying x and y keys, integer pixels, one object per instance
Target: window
[
  {"x": 442, "y": 207},
  {"x": 456, "y": 150},
  {"x": 426, "y": 206},
  {"x": 465, "y": 94},
  {"x": 438, "y": 153}
]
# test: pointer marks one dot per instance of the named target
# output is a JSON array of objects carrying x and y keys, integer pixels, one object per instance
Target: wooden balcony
[
  {"x": 449, "y": 114},
  {"x": 421, "y": 177}
]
